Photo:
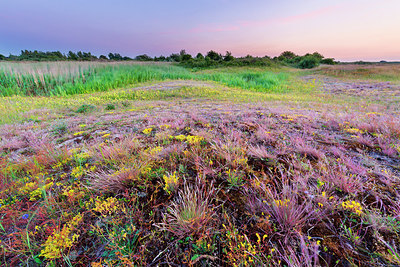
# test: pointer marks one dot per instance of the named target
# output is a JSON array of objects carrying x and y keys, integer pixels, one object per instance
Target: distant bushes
[
  {"x": 214, "y": 59},
  {"x": 211, "y": 59},
  {"x": 308, "y": 61},
  {"x": 27, "y": 55}
]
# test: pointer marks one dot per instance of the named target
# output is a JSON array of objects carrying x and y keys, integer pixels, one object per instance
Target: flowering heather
[{"x": 197, "y": 173}]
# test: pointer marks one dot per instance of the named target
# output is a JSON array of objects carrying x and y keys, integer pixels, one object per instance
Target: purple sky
[{"x": 343, "y": 29}]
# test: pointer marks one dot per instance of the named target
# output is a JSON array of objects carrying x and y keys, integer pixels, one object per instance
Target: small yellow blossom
[{"x": 147, "y": 131}]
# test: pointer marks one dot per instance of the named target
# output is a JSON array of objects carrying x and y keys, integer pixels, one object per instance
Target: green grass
[{"x": 107, "y": 77}]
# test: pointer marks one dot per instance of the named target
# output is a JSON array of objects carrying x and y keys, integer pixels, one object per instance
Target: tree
[
  {"x": 214, "y": 55},
  {"x": 80, "y": 55},
  {"x": 175, "y": 57},
  {"x": 186, "y": 57},
  {"x": 183, "y": 56},
  {"x": 143, "y": 57},
  {"x": 114, "y": 56},
  {"x": 103, "y": 57},
  {"x": 228, "y": 56},
  {"x": 72, "y": 56},
  {"x": 2, "y": 57},
  {"x": 317, "y": 55},
  {"x": 328, "y": 61},
  {"x": 199, "y": 56},
  {"x": 160, "y": 58},
  {"x": 287, "y": 55}
]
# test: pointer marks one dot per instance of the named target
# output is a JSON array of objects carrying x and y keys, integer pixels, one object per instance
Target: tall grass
[{"x": 65, "y": 78}]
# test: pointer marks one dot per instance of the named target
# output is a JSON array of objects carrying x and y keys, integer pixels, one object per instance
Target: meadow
[{"x": 154, "y": 164}]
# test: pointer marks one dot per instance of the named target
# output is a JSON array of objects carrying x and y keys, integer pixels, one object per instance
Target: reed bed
[{"x": 67, "y": 78}]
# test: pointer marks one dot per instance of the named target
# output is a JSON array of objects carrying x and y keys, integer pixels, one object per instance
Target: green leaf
[
  {"x": 37, "y": 260},
  {"x": 195, "y": 257}
]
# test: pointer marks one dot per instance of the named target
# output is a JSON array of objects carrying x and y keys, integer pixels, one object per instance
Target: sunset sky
[{"x": 343, "y": 29}]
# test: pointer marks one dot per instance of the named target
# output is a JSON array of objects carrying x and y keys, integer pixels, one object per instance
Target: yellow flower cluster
[
  {"x": 282, "y": 203},
  {"x": 27, "y": 188},
  {"x": 171, "y": 182},
  {"x": 165, "y": 126},
  {"x": 34, "y": 190},
  {"x": 73, "y": 194},
  {"x": 36, "y": 194},
  {"x": 191, "y": 139},
  {"x": 353, "y": 130},
  {"x": 240, "y": 251},
  {"x": 352, "y": 206},
  {"x": 180, "y": 137},
  {"x": 147, "y": 131},
  {"x": 194, "y": 140},
  {"x": 154, "y": 150},
  {"x": 60, "y": 164},
  {"x": 78, "y": 172},
  {"x": 107, "y": 207},
  {"x": 60, "y": 241},
  {"x": 82, "y": 156},
  {"x": 79, "y": 133}
]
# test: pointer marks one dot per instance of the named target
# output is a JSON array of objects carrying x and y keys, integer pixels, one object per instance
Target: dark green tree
[
  {"x": 199, "y": 56},
  {"x": 317, "y": 55},
  {"x": 308, "y": 62},
  {"x": 287, "y": 55},
  {"x": 328, "y": 61},
  {"x": 72, "y": 56},
  {"x": 143, "y": 57},
  {"x": 214, "y": 55},
  {"x": 175, "y": 57},
  {"x": 228, "y": 56}
]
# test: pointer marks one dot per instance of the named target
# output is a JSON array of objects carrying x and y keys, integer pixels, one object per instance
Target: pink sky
[{"x": 343, "y": 29}]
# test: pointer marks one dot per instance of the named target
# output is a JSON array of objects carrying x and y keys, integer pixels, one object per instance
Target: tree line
[{"x": 211, "y": 58}]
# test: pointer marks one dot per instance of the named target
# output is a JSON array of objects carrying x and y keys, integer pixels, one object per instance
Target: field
[{"x": 128, "y": 164}]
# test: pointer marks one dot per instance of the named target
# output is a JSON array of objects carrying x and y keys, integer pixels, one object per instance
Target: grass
[
  {"x": 374, "y": 72},
  {"x": 67, "y": 80},
  {"x": 205, "y": 173}
]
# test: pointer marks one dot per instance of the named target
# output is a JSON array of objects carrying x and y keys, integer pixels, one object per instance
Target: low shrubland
[{"x": 204, "y": 175}]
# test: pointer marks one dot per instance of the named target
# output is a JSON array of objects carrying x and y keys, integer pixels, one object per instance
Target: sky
[{"x": 346, "y": 30}]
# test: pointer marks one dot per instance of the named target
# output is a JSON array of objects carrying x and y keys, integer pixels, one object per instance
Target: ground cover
[{"x": 201, "y": 173}]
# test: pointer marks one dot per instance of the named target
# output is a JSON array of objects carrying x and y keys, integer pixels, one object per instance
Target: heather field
[{"x": 127, "y": 164}]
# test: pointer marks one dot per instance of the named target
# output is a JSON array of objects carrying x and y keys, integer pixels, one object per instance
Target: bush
[
  {"x": 110, "y": 107},
  {"x": 328, "y": 61},
  {"x": 199, "y": 56},
  {"x": 214, "y": 55},
  {"x": 143, "y": 58},
  {"x": 308, "y": 62},
  {"x": 85, "y": 108}
]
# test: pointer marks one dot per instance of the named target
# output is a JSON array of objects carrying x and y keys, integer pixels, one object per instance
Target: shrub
[
  {"x": 110, "y": 107},
  {"x": 85, "y": 108},
  {"x": 328, "y": 61},
  {"x": 144, "y": 57},
  {"x": 308, "y": 62},
  {"x": 191, "y": 213},
  {"x": 199, "y": 56},
  {"x": 214, "y": 55}
]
